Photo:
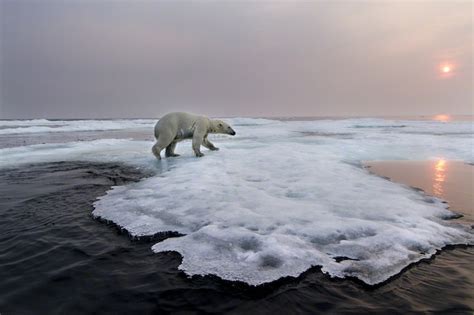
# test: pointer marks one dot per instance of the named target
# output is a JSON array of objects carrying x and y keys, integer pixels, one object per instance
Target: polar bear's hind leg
[
  {"x": 156, "y": 151},
  {"x": 170, "y": 149},
  {"x": 163, "y": 141}
]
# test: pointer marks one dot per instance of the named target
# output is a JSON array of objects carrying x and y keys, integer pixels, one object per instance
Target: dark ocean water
[{"x": 56, "y": 259}]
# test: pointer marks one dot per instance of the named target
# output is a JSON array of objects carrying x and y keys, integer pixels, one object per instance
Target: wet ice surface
[{"x": 281, "y": 197}]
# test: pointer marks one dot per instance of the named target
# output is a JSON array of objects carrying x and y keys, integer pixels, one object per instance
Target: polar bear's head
[{"x": 218, "y": 126}]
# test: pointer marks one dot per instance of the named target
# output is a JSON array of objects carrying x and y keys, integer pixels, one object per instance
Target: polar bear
[{"x": 175, "y": 127}]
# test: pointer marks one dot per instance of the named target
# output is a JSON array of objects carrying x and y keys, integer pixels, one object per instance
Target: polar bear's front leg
[
  {"x": 198, "y": 138},
  {"x": 208, "y": 144}
]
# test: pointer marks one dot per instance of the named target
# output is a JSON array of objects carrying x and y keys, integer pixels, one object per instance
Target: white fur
[{"x": 175, "y": 127}]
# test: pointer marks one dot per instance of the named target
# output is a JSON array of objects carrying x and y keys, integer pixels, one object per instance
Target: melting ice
[{"x": 281, "y": 197}]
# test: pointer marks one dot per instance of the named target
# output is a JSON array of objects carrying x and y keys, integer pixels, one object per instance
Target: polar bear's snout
[{"x": 231, "y": 131}]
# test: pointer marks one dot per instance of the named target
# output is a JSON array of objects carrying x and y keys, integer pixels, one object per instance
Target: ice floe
[{"x": 282, "y": 196}]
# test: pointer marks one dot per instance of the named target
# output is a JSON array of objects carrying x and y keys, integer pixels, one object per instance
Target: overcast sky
[{"x": 109, "y": 59}]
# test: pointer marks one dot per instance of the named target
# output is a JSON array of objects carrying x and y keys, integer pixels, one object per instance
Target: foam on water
[{"x": 281, "y": 197}]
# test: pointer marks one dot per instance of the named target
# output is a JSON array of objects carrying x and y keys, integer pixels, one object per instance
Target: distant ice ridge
[
  {"x": 281, "y": 197},
  {"x": 44, "y": 125}
]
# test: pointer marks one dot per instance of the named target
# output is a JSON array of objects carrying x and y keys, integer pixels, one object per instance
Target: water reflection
[
  {"x": 442, "y": 118},
  {"x": 439, "y": 177}
]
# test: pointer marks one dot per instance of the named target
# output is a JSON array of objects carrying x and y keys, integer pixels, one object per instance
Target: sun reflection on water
[
  {"x": 439, "y": 177},
  {"x": 442, "y": 118}
]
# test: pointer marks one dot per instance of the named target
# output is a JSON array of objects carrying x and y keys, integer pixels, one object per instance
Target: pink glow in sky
[{"x": 70, "y": 59}]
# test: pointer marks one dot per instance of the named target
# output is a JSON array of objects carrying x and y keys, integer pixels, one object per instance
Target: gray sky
[{"x": 108, "y": 59}]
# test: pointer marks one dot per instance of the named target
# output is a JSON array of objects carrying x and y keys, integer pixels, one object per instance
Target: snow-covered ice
[
  {"x": 44, "y": 125},
  {"x": 282, "y": 196}
]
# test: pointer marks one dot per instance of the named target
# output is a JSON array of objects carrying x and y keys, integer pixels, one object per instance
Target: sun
[{"x": 446, "y": 69}]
